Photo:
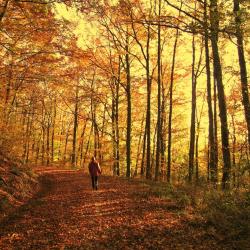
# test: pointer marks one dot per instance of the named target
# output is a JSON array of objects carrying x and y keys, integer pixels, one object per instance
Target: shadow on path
[{"x": 67, "y": 214}]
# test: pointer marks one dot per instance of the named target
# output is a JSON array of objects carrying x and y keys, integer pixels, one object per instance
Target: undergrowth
[
  {"x": 229, "y": 214},
  {"x": 17, "y": 183},
  {"x": 225, "y": 215}
]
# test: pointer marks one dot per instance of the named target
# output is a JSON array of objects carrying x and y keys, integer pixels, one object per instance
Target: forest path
[{"x": 67, "y": 214}]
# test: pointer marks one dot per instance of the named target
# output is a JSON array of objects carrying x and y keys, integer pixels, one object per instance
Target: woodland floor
[{"x": 67, "y": 214}]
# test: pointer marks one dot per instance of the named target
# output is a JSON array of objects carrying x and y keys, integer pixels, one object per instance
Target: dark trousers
[{"x": 94, "y": 182}]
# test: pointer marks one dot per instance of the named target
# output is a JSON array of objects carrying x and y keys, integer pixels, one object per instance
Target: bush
[{"x": 229, "y": 214}]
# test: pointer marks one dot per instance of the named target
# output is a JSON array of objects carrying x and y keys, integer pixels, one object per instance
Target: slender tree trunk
[
  {"x": 95, "y": 127},
  {"x": 143, "y": 151},
  {"x": 159, "y": 117},
  {"x": 214, "y": 19},
  {"x": 80, "y": 150},
  {"x": 88, "y": 143},
  {"x": 128, "y": 93},
  {"x": 148, "y": 117},
  {"x": 27, "y": 143},
  {"x": 48, "y": 141},
  {"x": 113, "y": 135},
  {"x": 234, "y": 152},
  {"x": 96, "y": 133},
  {"x": 66, "y": 144},
  {"x": 25, "y": 135},
  {"x": 242, "y": 64},
  {"x": 139, "y": 147},
  {"x": 117, "y": 120},
  {"x": 197, "y": 158},
  {"x": 198, "y": 136},
  {"x": 38, "y": 149},
  {"x": 60, "y": 140},
  {"x": 53, "y": 132},
  {"x": 43, "y": 143},
  {"x": 211, "y": 142},
  {"x": 163, "y": 131},
  {"x": 171, "y": 107},
  {"x": 73, "y": 155},
  {"x": 30, "y": 133},
  {"x": 192, "y": 124},
  {"x": 102, "y": 133},
  {"x": 216, "y": 154},
  {"x": 208, "y": 160},
  {"x": 154, "y": 148}
]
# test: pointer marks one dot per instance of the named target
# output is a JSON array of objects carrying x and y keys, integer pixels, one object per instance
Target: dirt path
[{"x": 67, "y": 214}]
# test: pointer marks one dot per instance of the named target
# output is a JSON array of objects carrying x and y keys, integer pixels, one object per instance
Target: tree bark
[
  {"x": 80, "y": 149},
  {"x": 159, "y": 116},
  {"x": 117, "y": 120},
  {"x": 48, "y": 142},
  {"x": 242, "y": 64},
  {"x": 148, "y": 117},
  {"x": 53, "y": 132},
  {"x": 211, "y": 142},
  {"x": 87, "y": 147},
  {"x": 73, "y": 155},
  {"x": 216, "y": 154},
  {"x": 193, "y": 113},
  {"x": 143, "y": 151},
  {"x": 171, "y": 107},
  {"x": 214, "y": 19},
  {"x": 113, "y": 133},
  {"x": 128, "y": 93},
  {"x": 139, "y": 147}
]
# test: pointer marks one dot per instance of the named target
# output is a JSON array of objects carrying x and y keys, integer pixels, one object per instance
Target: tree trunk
[
  {"x": 143, "y": 151},
  {"x": 214, "y": 19},
  {"x": 53, "y": 132},
  {"x": 216, "y": 154},
  {"x": 113, "y": 134},
  {"x": 66, "y": 144},
  {"x": 211, "y": 142},
  {"x": 43, "y": 143},
  {"x": 30, "y": 133},
  {"x": 154, "y": 148},
  {"x": 242, "y": 64},
  {"x": 37, "y": 149},
  {"x": 139, "y": 147},
  {"x": 148, "y": 117},
  {"x": 163, "y": 131},
  {"x": 234, "y": 152},
  {"x": 159, "y": 123},
  {"x": 117, "y": 120},
  {"x": 87, "y": 147},
  {"x": 192, "y": 124},
  {"x": 73, "y": 155},
  {"x": 80, "y": 150},
  {"x": 197, "y": 158},
  {"x": 208, "y": 160},
  {"x": 128, "y": 93},
  {"x": 171, "y": 107},
  {"x": 47, "y": 141},
  {"x": 102, "y": 133},
  {"x": 60, "y": 140}
]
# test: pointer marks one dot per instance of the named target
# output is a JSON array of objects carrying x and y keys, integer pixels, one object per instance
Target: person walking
[{"x": 94, "y": 171}]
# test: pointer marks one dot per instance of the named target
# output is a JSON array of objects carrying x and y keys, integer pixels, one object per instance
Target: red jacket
[{"x": 94, "y": 168}]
